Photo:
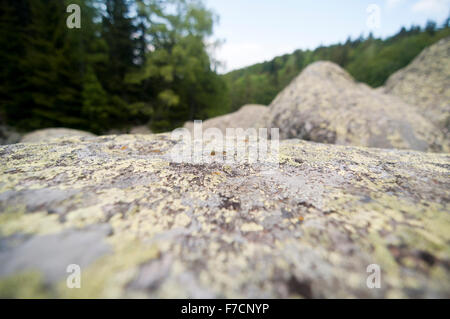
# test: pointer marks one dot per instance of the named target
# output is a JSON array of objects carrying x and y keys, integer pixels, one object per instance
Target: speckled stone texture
[
  {"x": 140, "y": 225},
  {"x": 324, "y": 104},
  {"x": 426, "y": 83},
  {"x": 47, "y": 134}
]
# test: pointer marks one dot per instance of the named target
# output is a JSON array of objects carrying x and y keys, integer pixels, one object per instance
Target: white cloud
[
  {"x": 392, "y": 4},
  {"x": 432, "y": 6}
]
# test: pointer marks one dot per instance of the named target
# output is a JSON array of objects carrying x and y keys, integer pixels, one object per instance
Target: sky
[{"x": 255, "y": 31}]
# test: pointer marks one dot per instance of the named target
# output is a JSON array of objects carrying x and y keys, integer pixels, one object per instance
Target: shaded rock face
[
  {"x": 246, "y": 117},
  {"x": 8, "y": 135},
  {"x": 48, "y": 134},
  {"x": 324, "y": 104},
  {"x": 143, "y": 129},
  {"x": 426, "y": 83},
  {"x": 150, "y": 227}
]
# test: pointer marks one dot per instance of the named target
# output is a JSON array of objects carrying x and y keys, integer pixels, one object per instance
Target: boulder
[
  {"x": 426, "y": 83},
  {"x": 143, "y": 129},
  {"x": 324, "y": 104},
  {"x": 246, "y": 117},
  {"x": 138, "y": 224},
  {"x": 48, "y": 134}
]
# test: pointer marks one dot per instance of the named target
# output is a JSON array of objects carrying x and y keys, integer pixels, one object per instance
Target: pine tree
[
  {"x": 43, "y": 82},
  {"x": 51, "y": 77},
  {"x": 95, "y": 102},
  {"x": 14, "y": 18},
  {"x": 104, "y": 75},
  {"x": 118, "y": 30}
]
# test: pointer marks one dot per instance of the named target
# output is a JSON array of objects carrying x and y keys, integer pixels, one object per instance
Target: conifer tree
[
  {"x": 14, "y": 18},
  {"x": 51, "y": 77},
  {"x": 95, "y": 102},
  {"x": 118, "y": 32}
]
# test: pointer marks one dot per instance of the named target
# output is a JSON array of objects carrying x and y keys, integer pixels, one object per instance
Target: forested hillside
[
  {"x": 368, "y": 60},
  {"x": 131, "y": 62}
]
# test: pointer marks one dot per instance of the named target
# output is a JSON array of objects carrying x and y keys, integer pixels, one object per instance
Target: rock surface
[
  {"x": 142, "y": 129},
  {"x": 426, "y": 83},
  {"x": 48, "y": 134},
  {"x": 8, "y": 135},
  {"x": 246, "y": 117},
  {"x": 324, "y": 104},
  {"x": 140, "y": 225}
]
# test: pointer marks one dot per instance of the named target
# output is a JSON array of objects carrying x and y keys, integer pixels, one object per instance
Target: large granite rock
[
  {"x": 246, "y": 117},
  {"x": 141, "y": 225},
  {"x": 48, "y": 134},
  {"x": 426, "y": 83},
  {"x": 324, "y": 104}
]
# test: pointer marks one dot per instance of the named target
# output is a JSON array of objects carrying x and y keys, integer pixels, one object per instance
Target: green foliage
[
  {"x": 178, "y": 68},
  {"x": 368, "y": 60},
  {"x": 13, "y": 22},
  {"x": 49, "y": 64},
  {"x": 119, "y": 69},
  {"x": 50, "y": 61},
  {"x": 117, "y": 31},
  {"x": 95, "y": 102}
]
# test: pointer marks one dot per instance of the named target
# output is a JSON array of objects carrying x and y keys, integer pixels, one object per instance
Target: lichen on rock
[{"x": 149, "y": 227}]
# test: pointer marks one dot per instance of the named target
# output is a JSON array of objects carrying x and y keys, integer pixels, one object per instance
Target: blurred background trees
[
  {"x": 131, "y": 63},
  {"x": 148, "y": 62}
]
